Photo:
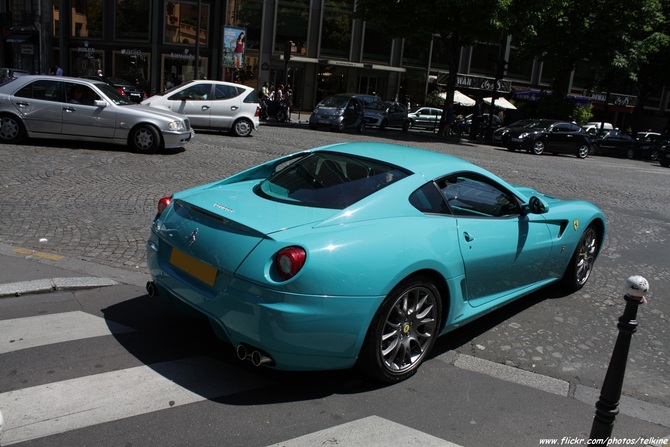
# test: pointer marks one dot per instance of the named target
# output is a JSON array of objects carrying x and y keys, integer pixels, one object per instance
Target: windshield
[
  {"x": 329, "y": 180},
  {"x": 339, "y": 102}
]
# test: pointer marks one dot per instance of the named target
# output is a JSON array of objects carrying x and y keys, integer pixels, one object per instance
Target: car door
[
  {"x": 502, "y": 249},
  {"x": 40, "y": 105},
  {"x": 561, "y": 139},
  {"x": 226, "y": 106},
  {"x": 84, "y": 117},
  {"x": 397, "y": 114},
  {"x": 194, "y": 101},
  {"x": 353, "y": 112}
]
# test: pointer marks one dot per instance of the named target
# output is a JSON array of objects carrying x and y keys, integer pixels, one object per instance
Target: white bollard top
[{"x": 636, "y": 287}]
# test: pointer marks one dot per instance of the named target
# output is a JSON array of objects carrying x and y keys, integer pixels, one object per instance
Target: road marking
[
  {"x": 39, "y": 254},
  {"x": 58, "y": 407},
  {"x": 31, "y": 332},
  {"x": 372, "y": 431}
]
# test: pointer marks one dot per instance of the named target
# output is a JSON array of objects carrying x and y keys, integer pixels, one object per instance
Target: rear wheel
[
  {"x": 361, "y": 127},
  {"x": 145, "y": 139},
  {"x": 383, "y": 125},
  {"x": 581, "y": 264},
  {"x": 405, "y": 126},
  {"x": 11, "y": 129},
  {"x": 403, "y": 331},
  {"x": 243, "y": 127},
  {"x": 630, "y": 153},
  {"x": 538, "y": 147}
]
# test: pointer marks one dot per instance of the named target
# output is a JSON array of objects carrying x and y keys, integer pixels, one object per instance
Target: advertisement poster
[{"x": 234, "y": 41}]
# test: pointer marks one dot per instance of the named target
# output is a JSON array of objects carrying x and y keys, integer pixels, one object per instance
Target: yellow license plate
[{"x": 193, "y": 267}]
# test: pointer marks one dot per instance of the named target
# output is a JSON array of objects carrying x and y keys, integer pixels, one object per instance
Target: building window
[
  {"x": 180, "y": 68},
  {"x": 132, "y": 19},
  {"x": 247, "y": 14},
  {"x": 377, "y": 44},
  {"x": 292, "y": 20},
  {"x": 133, "y": 65},
  {"x": 181, "y": 23},
  {"x": 336, "y": 33},
  {"x": 87, "y": 19}
]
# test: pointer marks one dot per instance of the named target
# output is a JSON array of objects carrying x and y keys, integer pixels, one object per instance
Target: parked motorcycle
[{"x": 277, "y": 110}]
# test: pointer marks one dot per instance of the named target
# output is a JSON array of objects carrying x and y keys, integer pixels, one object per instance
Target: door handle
[
  {"x": 205, "y": 107},
  {"x": 468, "y": 237}
]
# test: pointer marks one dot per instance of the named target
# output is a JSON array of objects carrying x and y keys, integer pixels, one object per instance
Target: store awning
[
  {"x": 459, "y": 99},
  {"x": 17, "y": 38},
  {"x": 500, "y": 102}
]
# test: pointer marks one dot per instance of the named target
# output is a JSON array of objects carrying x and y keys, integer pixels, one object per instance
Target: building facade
[{"x": 316, "y": 46}]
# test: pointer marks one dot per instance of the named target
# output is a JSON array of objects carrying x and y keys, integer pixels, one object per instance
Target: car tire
[
  {"x": 383, "y": 125},
  {"x": 582, "y": 260},
  {"x": 405, "y": 126},
  {"x": 653, "y": 156},
  {"x": 403, "y": 331},
  {"x": 12, "y": 130},
  {"x": 630, "y": 153},
  {"x": 538, "y": 147},
  {"x": 594, "y": 149},
  {"x": 145, "y": 139},
  {"x": 665, "y": 163},
  {"x": 361, "y": 127},
  {"x": 281, "y": 116},
  {"x": 583, "y": 151},
  {"x": 243, "y": 127}
]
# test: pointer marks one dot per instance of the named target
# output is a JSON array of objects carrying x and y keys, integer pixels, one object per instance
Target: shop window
[
  {"x": 181, "y": 23},
  {"x": 87, "y": 19},
  {"x": 180, "y": 68},
  {"x": 336, "y": 34},
  {"x": 377, "y": 46},
  {"x": 132, "y": 19},
  {"x": 133, "y": 65}
]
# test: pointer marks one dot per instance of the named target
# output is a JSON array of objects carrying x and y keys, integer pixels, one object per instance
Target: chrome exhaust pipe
[
  {"x": 259, "y": 359},
  {"x": 242, "y": 352},
  {"x": 151, "y": 289}
]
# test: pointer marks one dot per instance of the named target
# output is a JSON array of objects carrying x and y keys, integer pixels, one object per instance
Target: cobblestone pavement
[{"x": 95, "y": 203}]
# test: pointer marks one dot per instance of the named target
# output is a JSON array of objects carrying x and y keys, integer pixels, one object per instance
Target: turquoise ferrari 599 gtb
[{"x": 361, "y": 254}]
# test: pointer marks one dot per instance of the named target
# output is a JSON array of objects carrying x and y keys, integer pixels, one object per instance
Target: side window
[
  {"x": 42, "y": 89},
  {"x": 194, "y": 92},
  {"x": 428, "y": 199},
  {"x": 562, "y": 128},
  {"x": 470, "y": 195},
  {"x": 80, "y": 94},
  {"x": 226, "y": 92}
]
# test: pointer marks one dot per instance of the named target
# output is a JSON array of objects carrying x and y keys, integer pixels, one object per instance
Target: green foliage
[
  {"x": 434, "y": 99},
  {"x": 582, "y": 115}
]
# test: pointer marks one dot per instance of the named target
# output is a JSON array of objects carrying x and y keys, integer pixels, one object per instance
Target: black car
[
  {"x": 552, "y": 136},
  {"x": 613, "y": 142},
  {"x": 123, "y": 87},
  {"x": 648, "y": 145},
  {"x": 477, "y": 125},
  {"x": 664, "y": 154}
]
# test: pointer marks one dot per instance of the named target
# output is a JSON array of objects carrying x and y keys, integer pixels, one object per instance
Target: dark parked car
[
  {"x": 613, "y": 142},
  {"x": 338, "y": 113},
  {"x": 552, "y": 136},
  {"x": 124, "y": 87},
  {"x": 395, "y": 116},
  {"x": 664, "y": 154},
  {"x": 648, "y": 145},
  {"x": 500, "y": 132},
  {"x": 481, "y": 122}
]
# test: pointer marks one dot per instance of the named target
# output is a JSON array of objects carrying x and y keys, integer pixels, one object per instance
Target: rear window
[{"x": 329, "y": 180}]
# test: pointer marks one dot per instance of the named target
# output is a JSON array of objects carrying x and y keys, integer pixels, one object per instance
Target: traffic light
[{"x": 287, "y": 50}]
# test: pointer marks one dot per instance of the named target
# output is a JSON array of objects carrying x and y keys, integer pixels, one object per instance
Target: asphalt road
[{"x": 94, "y": 203}]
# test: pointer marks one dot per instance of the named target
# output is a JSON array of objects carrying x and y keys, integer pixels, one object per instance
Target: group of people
[{"x": 277, "y": 94}]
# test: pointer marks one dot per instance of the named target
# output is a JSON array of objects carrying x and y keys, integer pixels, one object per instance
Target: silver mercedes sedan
[{"x": 64, "y": 108}]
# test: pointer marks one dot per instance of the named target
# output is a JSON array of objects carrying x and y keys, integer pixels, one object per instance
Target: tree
[
  {"x": 456, "y": 23},
  {"x": 611, "y": 36}
]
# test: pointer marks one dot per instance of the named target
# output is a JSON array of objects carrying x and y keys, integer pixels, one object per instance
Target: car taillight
[
  {"x": 258, "y": 111},
  {"x": 289, "y": 261},
  {"x": 163, "y": 203},
  {"x": 120, "y": 91}
]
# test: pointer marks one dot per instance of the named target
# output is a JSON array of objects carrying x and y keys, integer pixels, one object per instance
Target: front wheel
[
  {"x": 583, "y": 151},
  {"x": 403, "y": 331},
  {"x": 581, "y": 264},
  {"x": 538, "y": 147},
  {"x": 405, "y": 126},
  {"x": 145, "y": 139},
  {"x": 281, "y": 116}
]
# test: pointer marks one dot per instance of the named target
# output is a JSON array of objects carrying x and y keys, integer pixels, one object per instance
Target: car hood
[
  {"x": 514, "y": 132},
  {"x": 143, "y": 109}
]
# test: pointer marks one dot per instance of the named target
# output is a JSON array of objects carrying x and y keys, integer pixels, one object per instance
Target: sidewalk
[{"x": 568, "y": 406}]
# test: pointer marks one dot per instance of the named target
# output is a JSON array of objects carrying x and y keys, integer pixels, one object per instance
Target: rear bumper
[{"x": 300, "y": 332}]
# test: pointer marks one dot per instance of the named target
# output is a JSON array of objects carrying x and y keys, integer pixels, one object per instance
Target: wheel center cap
[{"x": 405, "y": 328}]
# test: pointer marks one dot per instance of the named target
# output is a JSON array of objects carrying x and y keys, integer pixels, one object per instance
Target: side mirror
[
  {"x": 100, "y": 103},
  {"x": 535, "y": 206}
]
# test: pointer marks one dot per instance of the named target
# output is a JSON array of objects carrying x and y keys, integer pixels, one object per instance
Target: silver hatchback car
[
  {"x": 63, "y": 108},
  {"x": 215, "y": 105}
]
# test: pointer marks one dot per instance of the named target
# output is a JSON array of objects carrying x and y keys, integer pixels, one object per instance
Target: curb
[{"x": 53, "y": 285}]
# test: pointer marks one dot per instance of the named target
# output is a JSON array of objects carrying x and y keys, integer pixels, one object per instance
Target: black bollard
[{"x": 607, "y": 406}]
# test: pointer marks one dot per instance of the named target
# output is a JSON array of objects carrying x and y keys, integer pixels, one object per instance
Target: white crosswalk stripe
[{"x": 58, "y": 407}]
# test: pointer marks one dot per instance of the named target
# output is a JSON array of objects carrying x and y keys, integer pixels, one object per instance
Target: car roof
[
  {"x": 430, "y": 164},
  {"x": 23, "y": 80}
]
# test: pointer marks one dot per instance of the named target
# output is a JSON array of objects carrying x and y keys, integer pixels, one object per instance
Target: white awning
[
  {"x": 501, "y": 102},
  {"x": 460, "y": 99}
]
